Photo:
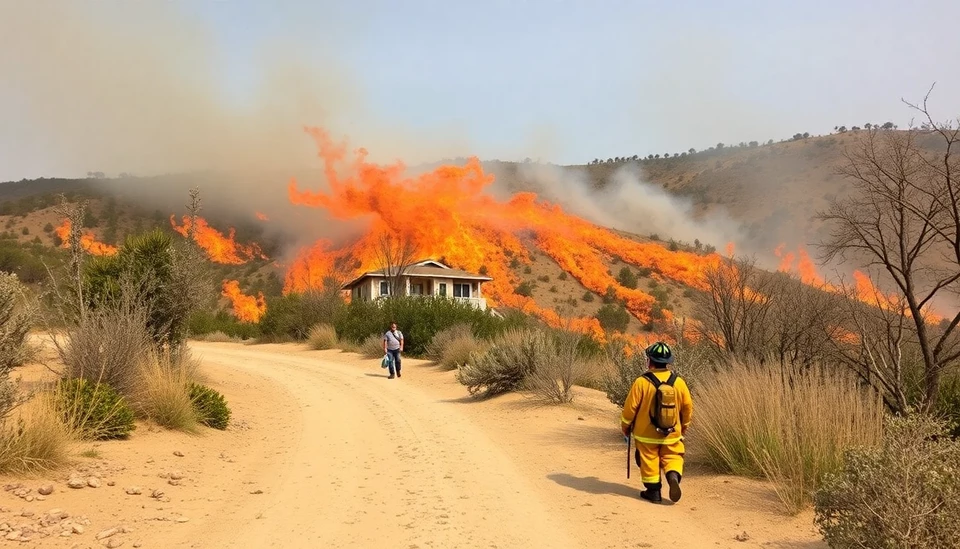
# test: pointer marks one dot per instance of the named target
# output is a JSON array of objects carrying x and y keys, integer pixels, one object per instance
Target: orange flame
[
  {"x": 262, "y": 216},
  {"x": 87, "y": 240},
  {"x": 219, "y": 248},
  {"x": 447, "y": 213},
  {"x": 246, "y": 308}
]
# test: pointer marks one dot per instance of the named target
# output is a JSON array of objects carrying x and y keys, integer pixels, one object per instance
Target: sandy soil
[{"x": 325, "y": 451}]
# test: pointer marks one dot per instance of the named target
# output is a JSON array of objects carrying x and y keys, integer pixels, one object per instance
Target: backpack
[{"x": 663, "y": 412}]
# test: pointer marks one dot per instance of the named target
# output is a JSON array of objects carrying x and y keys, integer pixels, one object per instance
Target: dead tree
[
  {"x": 903, "y": 219},
  {"x": 395, "y": 254}
]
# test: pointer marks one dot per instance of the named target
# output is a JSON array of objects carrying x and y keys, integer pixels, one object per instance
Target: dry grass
[
  {"x": 371, "y": 347},
  {"x": 164, "y": 391},
  {"x": 790, "y": 426},
  {"x": 34, "y": 439},
  {"x": 451, "y": 347},
  {"x": 219, "y": 337},
  {"x": 322, "y": 337}
]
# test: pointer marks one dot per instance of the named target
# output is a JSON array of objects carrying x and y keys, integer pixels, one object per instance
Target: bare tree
[
  {"x": 395, "y": 254},
  {"x": 74, "y": 214},
  {"x": 904, "y": 220}
]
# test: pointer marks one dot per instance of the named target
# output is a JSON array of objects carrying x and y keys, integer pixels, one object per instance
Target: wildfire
[
  {"x": 87, "y": 240},
  {"x": 447, "y": 213},
  {"x": 246, "y": 307},
  {"x": 219, "y": 248}
]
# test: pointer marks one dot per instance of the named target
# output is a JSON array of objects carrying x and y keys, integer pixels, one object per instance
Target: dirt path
[{"x": 324, "y": 451}]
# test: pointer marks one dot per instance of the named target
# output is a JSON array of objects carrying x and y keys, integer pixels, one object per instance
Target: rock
[
  {"x": 111, "y": 483},
  {"x": 13, "y": 536},
  {"x": 178, "y": 453},
  {"x": 173, "y": 482},
  {"x": 41, "y": 498},
  {"x": 104, "y": 534},
  {"x": 26, "y": 513},
  {"x": 114, "y": 542},
  {"x": 93, "y": 482},
  {"x": 76, "y": 483},
  {"x": 156, "y": 494},
  {"x": 45, "y": 490},
  {"x": 182, "y": 519},
  {"x": 580, "y": 418},
  {"x": 256, "y": 492},
  {"x": 134, "y": 491},
  {"x": 176, "y": 475},
  {"x": 57, "y": 514},
  {"x": 743, "y": 536},
  {"x": 29, "y": 499},
  {"x": 137, "y": 544},
  {"x": 77, "y": 529}
]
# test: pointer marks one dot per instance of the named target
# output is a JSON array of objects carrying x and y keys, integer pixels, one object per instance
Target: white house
[{"x": 423, "y": 278}]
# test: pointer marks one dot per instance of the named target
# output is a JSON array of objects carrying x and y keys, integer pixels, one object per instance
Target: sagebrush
[
  {"x": 452, "y": 347},
  {"x": 903, "y": 493},
  {"x": 322, "y": 337}
]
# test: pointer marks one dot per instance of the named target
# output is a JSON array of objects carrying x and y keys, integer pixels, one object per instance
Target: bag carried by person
[
  {"x": 385, "y": 363},
  {"x": 663, "y": 412}
]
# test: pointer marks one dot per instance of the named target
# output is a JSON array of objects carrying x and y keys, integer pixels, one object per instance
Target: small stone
[
  {"x": 156, "y": 494},
  {"x": 13, "y": 536},
  {"x": 65, "y": 534},
  {"x": 93, "y": 482},
  {"x": 77, "y": 529},
  {"x": 580, "y": 418},
  {"x": 182, "y": 519},
  {"x": 41, "y": 498},
  {"x": 137, "y": 544},
  {"x": 178, "y": 453},
  {"x": 134, "y": 491},
  {"x": 26, "y": 513},
  {"x": 76, "y": 483},
  {"x": 57, "y": 514},
  {"x": 176, "y": 475},
  {"x": 173, "y": 482},
  {"x": 29, "y": 499},
  {"x": 104, "y": 534},
  {"x": 114, "y": 542},
  {"x": 257, "y": 492},
  {"x": 111, "y": 483},
  {"x": 743, "y": 536}
]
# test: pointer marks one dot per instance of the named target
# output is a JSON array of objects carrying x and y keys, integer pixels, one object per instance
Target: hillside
[{"x": 772, "y": 191}]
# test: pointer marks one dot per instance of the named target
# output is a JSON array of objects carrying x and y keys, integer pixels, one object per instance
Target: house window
[
  {"x": 461, "y": 290},
  {"x": 443, "y": 289},
  {"x": 416, "y": 289},
  {"x": 384, "y": 287}
]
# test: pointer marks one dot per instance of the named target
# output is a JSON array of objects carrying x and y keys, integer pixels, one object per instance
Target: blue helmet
[{"x": 659, "y": 353}]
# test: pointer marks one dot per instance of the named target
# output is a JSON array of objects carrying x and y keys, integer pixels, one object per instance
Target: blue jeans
[{"x": 394, "y": 361}]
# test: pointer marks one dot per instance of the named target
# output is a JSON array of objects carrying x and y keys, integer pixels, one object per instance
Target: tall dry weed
[
  {"x": 163, "y": 392},
  {"x": 34, "y": 439},
  {"x": 451, "y": 347},
  {"x": 322, "y": 337},
  {"x": 788, "y": 425}
]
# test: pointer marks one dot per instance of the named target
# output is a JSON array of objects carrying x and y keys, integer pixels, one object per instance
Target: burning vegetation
[
  {"x": 88, "y": 241},
  {"x": 245, "y": 307},
  {"x": 220, "y": 248}
]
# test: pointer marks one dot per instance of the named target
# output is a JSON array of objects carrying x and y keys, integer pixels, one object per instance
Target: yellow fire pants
[{"x": 652, "y": 457}]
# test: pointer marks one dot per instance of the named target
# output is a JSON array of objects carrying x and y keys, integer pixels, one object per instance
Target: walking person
[
  {"x": 657, "y": 415},
  {"x": 393, "y": 346}
]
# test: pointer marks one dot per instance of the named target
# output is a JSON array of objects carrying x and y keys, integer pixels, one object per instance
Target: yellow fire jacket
[{"x": 641, "y": 397}]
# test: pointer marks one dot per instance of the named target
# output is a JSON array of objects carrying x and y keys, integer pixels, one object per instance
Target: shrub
[
  {"x": 322, "y": 337},
  {"x": 524, "y": 289},
  {"x": 527, "y": 270},
  {"x": 543, "y": 278},
  {"x": 219, "y": 337},
  {"x": 613, "y": 317},
  {"x": 107, "y": 345},
  {"x": 163, "y": 393},
  {"x": 626, "y": 278},
  {"x": 204, "y": 323},
  {"x": 209, "y": 406},
  {"x": 93, "y": 410},
  {"x": 452, "y": 347},
  {"x": 789, "y": 425},
  {"x": 904, "y": 493},
  {"x": 626, "y": 368},
  {"x": 293, "y": 315},
  {"x": 14, "y": 324},
  {"x": 36, "y": 441},
  {"x": 610, "y": 295},
  {"x": 587, "y": 296},
  {"x": 562, "y": 275},
  {"x": 504, "y": 366},
  {"x": 566, "y": 360},
  {"x": 48, "y": 228},
  {"x": 372, "y": 346}
]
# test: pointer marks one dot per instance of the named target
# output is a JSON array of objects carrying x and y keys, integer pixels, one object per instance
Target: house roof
[{"x": 418, "y": 270}]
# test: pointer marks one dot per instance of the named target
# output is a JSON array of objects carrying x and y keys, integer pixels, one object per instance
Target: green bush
[
  {"x": 525, "y": 289},
  {"x": 587, "y": 296},
  {"x": 94, "y": 410},
  {"x": 205, "y": 322},
  {"x": 626, "y": 368},
  {"x": 293, "y": 315},
  {"x": 627, "y": 279},
  {"x": 505, "y": 365},
  {"x": 904, "y": 493},
  {"x": 419, "y": 318},
  {"x": 210, "y": 406},
  {"x": 613, "y": 317}
]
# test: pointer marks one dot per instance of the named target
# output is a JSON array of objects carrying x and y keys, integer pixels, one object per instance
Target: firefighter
[{"x": 657, "y": 414}]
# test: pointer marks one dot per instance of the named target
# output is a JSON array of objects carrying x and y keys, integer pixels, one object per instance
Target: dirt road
[{"x": 324, "y": 451}]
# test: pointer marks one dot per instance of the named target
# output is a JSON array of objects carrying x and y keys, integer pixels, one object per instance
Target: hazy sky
[{"x": 154, "y": 86}]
